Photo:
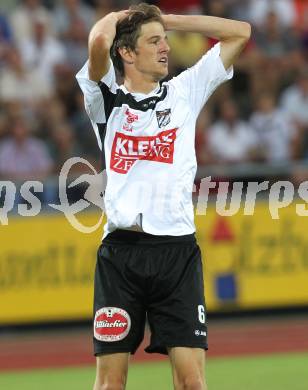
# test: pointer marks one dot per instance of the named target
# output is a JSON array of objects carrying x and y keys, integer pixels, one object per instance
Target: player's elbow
[{"x": 244, "y": 31}]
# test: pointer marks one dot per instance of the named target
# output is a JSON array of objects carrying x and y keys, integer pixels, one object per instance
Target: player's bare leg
[
  {"x": 111, "y": 371},
  {"x": 188, "y": 368}
]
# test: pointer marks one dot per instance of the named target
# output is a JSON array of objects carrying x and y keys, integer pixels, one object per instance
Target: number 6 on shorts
[{"x": 201, "y": 314}]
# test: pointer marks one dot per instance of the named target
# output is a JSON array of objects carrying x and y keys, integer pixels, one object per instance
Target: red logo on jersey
[
  {"x": 127, "y": 149},
  {"x": 130, "y": 118}
]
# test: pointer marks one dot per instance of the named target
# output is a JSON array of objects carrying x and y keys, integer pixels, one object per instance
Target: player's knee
[
  {"x": 192, "y": 383},
  {"x": 112, "y": 384}
]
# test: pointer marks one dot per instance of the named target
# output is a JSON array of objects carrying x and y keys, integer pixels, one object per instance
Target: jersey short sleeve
[
  {"x": 93, "y": 97},
  {"x": 199, "y": 82}
]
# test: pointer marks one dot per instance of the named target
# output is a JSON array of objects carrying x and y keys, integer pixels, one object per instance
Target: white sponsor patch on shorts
[
  {"x": 200, "y": 332},
  {"x": 111, "y": 324}
]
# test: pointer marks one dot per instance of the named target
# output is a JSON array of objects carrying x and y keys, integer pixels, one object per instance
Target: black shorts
[{"x": 139, "y": 275}]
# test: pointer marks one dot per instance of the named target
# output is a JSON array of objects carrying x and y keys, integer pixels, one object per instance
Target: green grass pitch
[{"x": 271, "y": 372}]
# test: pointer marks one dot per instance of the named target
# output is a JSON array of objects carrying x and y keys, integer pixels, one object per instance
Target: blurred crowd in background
[{"x": 261, "y": 116}]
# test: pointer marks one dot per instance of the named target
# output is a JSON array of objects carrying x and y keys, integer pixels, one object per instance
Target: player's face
[{"x": 151, "y": 54}]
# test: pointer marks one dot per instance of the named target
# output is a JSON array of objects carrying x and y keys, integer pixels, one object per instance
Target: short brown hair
[{"x": 128, "y": 30}]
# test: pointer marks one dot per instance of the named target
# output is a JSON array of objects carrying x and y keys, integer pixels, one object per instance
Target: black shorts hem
[
  {"x": 164, "y": 349},
  {"x": 108, "y": 351}
]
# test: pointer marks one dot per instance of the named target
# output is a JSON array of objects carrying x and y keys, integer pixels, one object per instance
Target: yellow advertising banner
[
  {"x": 47, "y": 267},
  {"x": 254, "y": 261}
]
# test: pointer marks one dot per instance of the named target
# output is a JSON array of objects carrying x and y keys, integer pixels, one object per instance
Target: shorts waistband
[{"x": 129, "y": 237}]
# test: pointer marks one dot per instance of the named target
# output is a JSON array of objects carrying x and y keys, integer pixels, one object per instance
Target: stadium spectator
[
  {"x": 54, "y": 113},
  {"x": 301, "y": 9},
  {"x": 231, "y": 140},
  {"x": 42, "y": 52},
  {"x": 294, "y": 101},
  {"x": 63, "y": 145},
  {"x": 273, "y": 129},
  {"x": 203, "y": 152},
  {"x": 237, "y": 9},
  {"x": 76, "y": 44},
  {"x": 65, "y": 87},
  {"x": 278, "y": 56},
  {"x": 49, "y": 116},
  {"x": 274, "y": 40},
  {"x": 302, "y": 26},
  {"x": 21, "y": 84},
  {"x": 5, "y": 29},
  {"x": 217, "y": 8},
  {"x": 84, "y": 133},
  {"x": 284, "y": 9},
  {"x": 24, "y": 14},
  {"x": 68, "y": 11},
  {"x": 5, "y": 36},
  {"x": 3, "y": 124},
  {"x": 104, "y": 7},
  {"x": 22, "y": 156}
]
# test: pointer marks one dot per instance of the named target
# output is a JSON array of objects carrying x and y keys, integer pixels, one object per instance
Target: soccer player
[{"x": 149, "y": 264}]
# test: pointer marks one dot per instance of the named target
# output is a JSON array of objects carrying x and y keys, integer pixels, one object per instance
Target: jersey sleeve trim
[
  {"x": 93, "y": 98},
  {"x": 88, "y": 85},
  {"x": 97, "y": 104}
]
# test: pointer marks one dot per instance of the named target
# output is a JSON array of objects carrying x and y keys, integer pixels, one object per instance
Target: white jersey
[{"x": 148, "y": 143}]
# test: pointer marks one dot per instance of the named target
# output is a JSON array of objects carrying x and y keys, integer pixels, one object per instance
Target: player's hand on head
[
  {"x": 122, "y": 14},
  {"x": 166, "y": 20}
]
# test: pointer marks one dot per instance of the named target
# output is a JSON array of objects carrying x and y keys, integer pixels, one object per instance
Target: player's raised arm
[
  {"x": 101, "y": 38},
  {"x": 232, "y": 34}
]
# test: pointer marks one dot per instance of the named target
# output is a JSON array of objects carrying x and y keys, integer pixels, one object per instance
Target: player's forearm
[
  {"x": 211, "y": 26},
  {"x": 101, "y": 38},
  {"x": 104, "y": 28}
]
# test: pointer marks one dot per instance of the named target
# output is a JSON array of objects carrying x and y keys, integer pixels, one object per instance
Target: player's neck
[{"x": 139, "y": 85}]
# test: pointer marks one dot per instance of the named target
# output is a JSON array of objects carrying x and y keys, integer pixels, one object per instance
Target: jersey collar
[{"x": 141, "y": 96}]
